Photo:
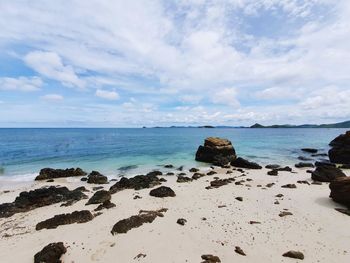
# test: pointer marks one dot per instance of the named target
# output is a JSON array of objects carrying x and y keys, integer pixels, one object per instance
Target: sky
[{"x": 117, "y": 63}]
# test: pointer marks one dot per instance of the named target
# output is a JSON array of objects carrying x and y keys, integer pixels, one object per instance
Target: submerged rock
[
  {"x": 96, "y": 178},
  {"x": 100, "y": 197},
  {"x": 243, "y": 163},
  {"x": 162, "y": 191},
  {"x": 340, "y": 151},
  {"x": 216, "y": 150},
  {"x": 326, "y": 173},
  {"x": 294, "y": 254},
  {"x": 124, "y": 225},
  {"x": 49, "y": 173},
  {"x": 50, "y": 253},
  {"x": 65, "y": 219},
  {"x": 137, "y": 183},
  {"x": 340, "y": 190},
  {"x": 27, "y": 201}
]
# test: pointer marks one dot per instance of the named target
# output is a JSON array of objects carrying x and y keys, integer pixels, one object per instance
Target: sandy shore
[{"x": 315, "y": 228}]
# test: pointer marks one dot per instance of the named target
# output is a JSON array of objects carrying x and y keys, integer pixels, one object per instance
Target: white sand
[{"x": 315, "y": 228}]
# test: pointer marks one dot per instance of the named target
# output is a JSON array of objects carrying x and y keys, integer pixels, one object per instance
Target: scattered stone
[
  {"x": 243, "y": 163},
  {"x": 49, "y": 173},
  {"x": 100, "y": 197},
  {"x": 254, "y": 222},
  {"x": 216, "y": 151},
  {"x": 162, "y": 191},
  {"x": 65, "y": 219},
  {"x": 279, "y": 195},
  {"x": 229, "y": 172},
  {"x": 137, "y": 197},
  {"x": 210, "y": 259},
  {"x": 284, "y": 169},
  {"x": 140, "y": 256},
  {"x": 33, "y": 199},
  {"x": 96, "y": 188},
  {"x": 276, "y": 202},
  {"x": 181, "y": 221},
  {"x": 340, "y": 151},
  {"x": 105, "y": 205},
  {"x": 289, "y": 186},
  {"x": 211, "y": 173},
  {"x": 50, "y": 180},
  {"x": 181, "y": 174},
  {"x": 184, "y": 179},
  {"x": 50, "y": 253},
  {"x": 154, "y": 173},
  {"x": 294, "y": 254},
  {"x": 238, "y": 250},
  {"x": 309, "y": 150},
  {"x": 273, "y": 172},
  {"x": 96, "y": 178},
  {"x": 319, "y": 155},
  {"x": 239, "y": 198},
  {"x": 195, "y": 176},
  {"x": 124, "y": 225},
  {"x": 137, "y": 183},
  {"x": 326, "y": 173},
  {"x": 304, "y": 165},
  {"x": 303, "y": 182},
  {"x": 285, "y": 213},
  {"x": 270, "y": 185},
  {"x": 163, "y": 180},
  {"x": 316, "y": 183},
  {"x": 272, "y": 166},
  {"x": 221, "y": 206},
  {"x": 220, "y": 182},
  {"x": 194, "y": 170},
  {"x": 170, "y": 174},
  {"x": 340, "y": 190}
]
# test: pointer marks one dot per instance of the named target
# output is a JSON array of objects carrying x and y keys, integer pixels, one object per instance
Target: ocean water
[{"x": 115, "y": 152}]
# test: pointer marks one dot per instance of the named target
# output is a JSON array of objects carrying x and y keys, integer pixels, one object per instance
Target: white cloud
[
  {"x": 52, "y": 97},
  {"x": 21, "y": 84},
  {"x": 108, "y": 95},
  {"x": 226, "y": 96}
]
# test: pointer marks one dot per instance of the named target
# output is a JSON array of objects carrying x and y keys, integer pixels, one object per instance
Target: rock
[
  {"x": 272, "y": 166},
  {"x": 99, "y": 197},
  {"x": 162, "y": 191},
  {"x": 343, "y": 211},
  {"x": 105, "y": 205},
  {"x": 309, "y": 150},
  {"x": 49, "y": 173},
  {"x": 220, "y": 182},
  {"x": 303, "y": 182},
  {"x": 304, "y": 165},
  {"x": 170, "y": 174},
  {"x": 84, "y": 179},
  {"x": 211, "y": 173},
  {"x": 284, "y": 169},
  {"x": 340, "y": 151},
  {"x": 210, "y": 259},
  {"x": 216, "y": 151},
  {"x": 319, "y": 155},
  {"x": 184, "y": 179},
  {"x": 345, "y": 166},
  {"x": 254, "y": 222},
  {"x": 289, "y": 186},
  {"x": 96, "y": 188},
  {"x": 181, "y": 221},
  {"x": 194, "y": 170},
  {"x": 124, "y": 225},
  {"x": 239, "y": 198},
  {"x": 154, "y": 173},
  {"x": 340, "y": 190},
  {"x": 238, "y": 250},
  {"x": 168, "y": 166},
  {"x": 326, "y": 173},
  {"x": 285, "y": 213},
  {"x": 273, "y": 172},
  {"x": 96, "y": 178},
  {"x": 50, "y": 253},
  {"x": 137, "y": 183},
  {"x": 195, "y": 176},
  {"x": 303, "y": 158},
  {"x": 27, "y": 201},
  {"x": 65, "y": 219},
  {"x": 243, "y": 163},
  {"x": 294, "y": 254},
  {"x": 319, "y": 164}
]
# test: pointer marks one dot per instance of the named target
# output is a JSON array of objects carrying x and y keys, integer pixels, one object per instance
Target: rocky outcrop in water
[
  {"x": 137, "y": 183},
  {"x": 340, "y": 190},
  {"x": 50, "y": 253},
  {"x": 65, "y": 219},
  {"x": 27, "y": 201},
  {"x": 326, "y": 173},
  {"x": 243, "y": 163},
  {"x": 340, "y": 151},
  {"x": 49, "y": 173},
  {"x": 96, "y": 178},
  {"x": 217, "y": 151}
]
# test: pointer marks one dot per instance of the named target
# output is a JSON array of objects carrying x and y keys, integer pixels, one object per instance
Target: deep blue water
[{"x": 24, "y": 152}]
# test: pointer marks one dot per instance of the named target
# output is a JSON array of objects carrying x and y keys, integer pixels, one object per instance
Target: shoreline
[{"x": 313, "y": 226}]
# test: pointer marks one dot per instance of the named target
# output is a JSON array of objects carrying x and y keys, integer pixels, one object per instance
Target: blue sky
[{"x": 188, "y": 62}]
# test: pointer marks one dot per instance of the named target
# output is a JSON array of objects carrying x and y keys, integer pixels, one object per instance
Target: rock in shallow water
[
  {"x": 49, "y": 173},
  {"x": 326, "y": 173},
  {"x": 50, "y": 253}
]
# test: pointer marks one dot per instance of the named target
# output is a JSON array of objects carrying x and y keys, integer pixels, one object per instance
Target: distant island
[{"x": 345, "y": 124}]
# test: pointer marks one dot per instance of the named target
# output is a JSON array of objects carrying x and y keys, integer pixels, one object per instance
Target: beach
[{"x": 216, "y": 222}]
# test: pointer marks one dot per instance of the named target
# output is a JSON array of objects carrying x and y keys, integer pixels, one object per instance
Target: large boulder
[
  {"x": 217, "y": 151},
  {"x": 50, "y": 173},
  {"x": 340, "y": 190},
  {"x": 340, "y": 151},
  {"x": 96, "y": 178},
  {"x": 326, "y": 173},
  {"x": 243, "y": 163},
  {"x": 51, "y": 253}
]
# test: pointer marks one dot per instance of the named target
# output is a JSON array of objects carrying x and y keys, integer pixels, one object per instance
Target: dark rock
[
  {"x": 304, "y": 165},
  {"x": 181, "y": 174},
  {"x": 303, "y": 182},
  {"x": 343, "y": 211},
  {"x": 272, "y": 172},
  {"x": 340, "y": 151},
  {"x": 309, "y": 150},
  {"x": 345, "y": 166},
  {"x": 194, "y": 170},
  {"x": 96, "y": 188},
  {"x": 169, "y": 174},
  {"x": 180, "y": 168},
  {"x": 319, "y": 155},
  {"x": 154, "y": 173},
  {"x": 254, "y": 222},
  {"x": 272, "y": 166},
  {"x": 100, "y": 197},
  {"x": 289, "y": 186},
  {"x": 50, "y": 180},
  {"x": 138, "y": 182},
  {"x": 183, "y": 179},
  {"x": 50, "y": 253},
  {"x": 326, "y": 173},
  {"x": 137, "y": 197},
  {"x": 168, "y": 166},
  {"x": 303, "y": 158},
  {"x": 105, "y": 205},
  {"x": 65, "y": 219},
  {"x": 211, "y": 173},
  {"x": 216, "y": 151},
  {"x": 285, "y": 213},
  {"x": 240, "y": 251},
  {"x": 163, "y": 180},
  {"x": 319, "y": 164},
  {"x": 162, "y": 191},
  {"x": 284, "y": 169},
  {"x": 243, "y": 163},
  {"x": 269, "y": 185},
  {"x": 124, "y": 225},
  {"x": 294, "y": 254},
  {"x": 49, "y": 173},
  {"x": 84, "y": 179},
  {"x": 96, "y": 178},
  {"x": 195, "y": 176},
  {"x": 220, "y": 182},
  {"x": 210, "y": 259},
  {"x": 340, "y": 190},
  {"x": 27, "y": 201},
  {"x": 181, "y": 221},
  {"x": 239, "y": 198}
]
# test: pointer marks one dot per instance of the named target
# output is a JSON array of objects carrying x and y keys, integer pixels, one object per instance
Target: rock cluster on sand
[
  {"x": 51, "y": 253},
  {"x": 326, "y": 173},
  {"x": 65, "y": 219},
  {"x": 162, "y": 191},
  {"x": 100, "y": 197},
  {"x": 340, "y": 190},
  {"x": 243, "y": 163},
  {"x": 49, "y": 173},
  {"x": 27, "y": 201},
  {"x": 137, "y": 183},
  {"x": 96, "y": 178},
  {"x": 340, "y": 151},
  {"x": 216, "y": 151}
]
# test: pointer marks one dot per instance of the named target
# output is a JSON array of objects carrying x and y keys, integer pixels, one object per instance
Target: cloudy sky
[{"x": 118, "y": 63}]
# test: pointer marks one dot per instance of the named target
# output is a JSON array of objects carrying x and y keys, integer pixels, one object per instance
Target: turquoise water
[{"x": 23, "y": 152}]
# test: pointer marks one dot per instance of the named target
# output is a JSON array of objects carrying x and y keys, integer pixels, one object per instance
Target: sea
[{"x": 119, "y": 152}]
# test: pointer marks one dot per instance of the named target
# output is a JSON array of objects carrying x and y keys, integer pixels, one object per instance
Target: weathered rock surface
[
  {"x": 326, "y": 173},
  {"x": 340, "y": 190},
  {"x": 105, "y": 205},
  {"x": 210, "y": 259},
  {"x": 243, "y": 163},
  {"x": 65, "y": 219},
  {"x": 100, "y": 197},
  {"x": 162, "y": 191},
  {"x": 220, "y": 182},
  {"x": 185, "y": 179},
  {"x": 27, "y": 201},
  {"x": 340, "y": 151},
  {"x": 49, "y": 173},
  {"x": 216, "y": 151},
  {"x": 294, "y": 254},
  {"x": 124, "y": 225},
  {"x": 50, "y": 253},
  {"x": 137, "y": 183},
  {"x": 304, "y": 165},
  {"x": 273, "y": 172},
  {"x": 96, "y": 178}
]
